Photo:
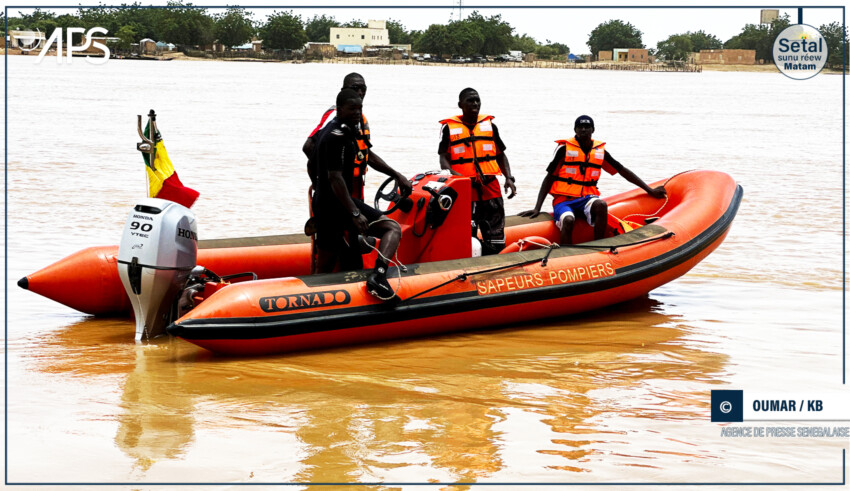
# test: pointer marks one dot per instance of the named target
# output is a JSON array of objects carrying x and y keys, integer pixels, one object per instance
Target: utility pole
[{"x": 459, "y": 7}]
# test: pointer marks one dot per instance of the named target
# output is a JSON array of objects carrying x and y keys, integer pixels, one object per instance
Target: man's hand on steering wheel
[{"x": 404, "y": 185}]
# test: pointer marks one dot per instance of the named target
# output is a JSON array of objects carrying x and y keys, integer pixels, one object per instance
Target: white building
[{"x": 375, "y": 34}]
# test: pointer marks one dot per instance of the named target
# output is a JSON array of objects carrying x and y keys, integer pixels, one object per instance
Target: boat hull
[{"x": 293, "y": 314}]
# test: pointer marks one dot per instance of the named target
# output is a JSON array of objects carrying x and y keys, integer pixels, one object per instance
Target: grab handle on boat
[
  {"x": 147, "y": 145},
  {"x": 239, "y": 275}
]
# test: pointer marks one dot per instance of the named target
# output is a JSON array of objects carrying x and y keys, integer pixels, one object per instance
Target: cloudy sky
[{"x": 558, "y": 21}]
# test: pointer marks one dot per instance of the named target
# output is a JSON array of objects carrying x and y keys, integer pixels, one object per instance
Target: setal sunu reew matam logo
[
  {"x": 69, "y": 48},
  {"x": 800, "y": 51}
]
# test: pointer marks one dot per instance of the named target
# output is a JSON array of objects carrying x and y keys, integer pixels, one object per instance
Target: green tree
[
  {"x": 676, "y": 47},
  {"x": 355, "y": 23},
  {"x": 433, "y": 40},
  {"x": 759, "y": 38},
  {"x": 414, "y": 37},
  {"x": 97, "y": 17},
  {"x": 283, "y": 30},
  {"x": 234, "y": 27},
  {"x": 614, "y": 34},
  {"x": 184, "y": 25},
  {"x": 496, "y": 34},
  {"x": 702, "y": 40},
  {"x": 464, "y": 38},
  {"x": 524, "y": 43},
  {"x": 398, "y": 34},
  {"x": 836, "y": 42},
  {"x": 552, "y": 50},
  {"x": 143, "y": 20},
  {"x": 318, "y": 28},
  {"x": 127, "y": 36}
]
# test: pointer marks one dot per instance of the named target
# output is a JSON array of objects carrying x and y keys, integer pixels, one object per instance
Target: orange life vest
[
  {"x": 472, "y": 153},
  {"x": 579, "y": 173},
  {"x": 362, "y": 148}
]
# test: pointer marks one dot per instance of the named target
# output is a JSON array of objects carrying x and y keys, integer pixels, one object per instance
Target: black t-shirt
[
  {"x": 445, "y": 141},
  {"x": 335, "y": 149}
]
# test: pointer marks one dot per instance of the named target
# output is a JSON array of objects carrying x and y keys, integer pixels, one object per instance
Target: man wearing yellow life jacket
[
  {"x": 571, "y": 179},
  {"x": 470, "y": 146}
]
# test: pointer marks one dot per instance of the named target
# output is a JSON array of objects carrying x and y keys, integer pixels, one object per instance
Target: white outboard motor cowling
[{"x": 158, "y": 250}]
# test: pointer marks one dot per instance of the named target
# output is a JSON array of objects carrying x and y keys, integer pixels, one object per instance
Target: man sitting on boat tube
[
  {"x": 470, "y": 146},
  {"x": 571, "y": 180},
  {"x": 340, "y": 218}
]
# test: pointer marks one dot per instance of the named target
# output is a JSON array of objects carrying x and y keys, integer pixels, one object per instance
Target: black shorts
[
  {"x": 334, "y": 224},
  {"x": 489, "y": 216}
]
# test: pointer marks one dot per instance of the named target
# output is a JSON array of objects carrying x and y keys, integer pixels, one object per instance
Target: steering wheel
[{"x": 394, "y": 196}]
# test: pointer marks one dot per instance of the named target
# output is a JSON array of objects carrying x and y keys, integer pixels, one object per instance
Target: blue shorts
[{"x": 571, "y": 208}]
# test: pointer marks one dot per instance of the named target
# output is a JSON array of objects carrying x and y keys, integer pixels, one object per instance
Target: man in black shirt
[{"x": 340, "y": 218}]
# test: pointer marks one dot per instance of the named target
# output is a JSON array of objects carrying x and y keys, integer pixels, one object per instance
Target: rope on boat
[
  {"x": 522, "y": 242},
  {"x": 666, "y": 199},
  {"x": 543, "y": 261},
  {"x": 400, "y": 267},
  {"x": 613, "y": 249},
  {"x": 655, "y": 213}
]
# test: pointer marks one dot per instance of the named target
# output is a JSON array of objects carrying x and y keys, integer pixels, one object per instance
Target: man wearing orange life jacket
[
  {"x": 571, "y": 180},
  {"x": 470, "y": 146}
]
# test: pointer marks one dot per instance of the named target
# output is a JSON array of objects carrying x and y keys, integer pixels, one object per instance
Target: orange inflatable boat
[{"x": 442, "y": 288}]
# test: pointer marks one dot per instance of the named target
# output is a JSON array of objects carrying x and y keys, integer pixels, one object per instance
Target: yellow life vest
[
  {"x": 579, "y": 173},
  {"x": 472, "y": 153}
]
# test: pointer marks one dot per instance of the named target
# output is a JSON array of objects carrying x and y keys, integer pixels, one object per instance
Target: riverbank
[{"x": 360, "y": 60}]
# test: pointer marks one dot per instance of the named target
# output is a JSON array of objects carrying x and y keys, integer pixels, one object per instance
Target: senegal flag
[{"x": 162, "y": 179}]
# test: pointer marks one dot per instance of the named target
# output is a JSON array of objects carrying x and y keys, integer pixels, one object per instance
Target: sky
[{"x": 556, "y": 21}]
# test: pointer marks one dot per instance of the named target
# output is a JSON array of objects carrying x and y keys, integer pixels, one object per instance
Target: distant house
[
  {"x": 727, "y": 57},
  {"x": 161, "y": 46},
  {"x": 633, "y": 55},
  {"x": 255, "y": 46},
  {"x": 323, "y": 50},
  {"x": 26, "y": 40},
  {"x": 605, "y": 56},
  {"x": 573, "y": 57},
  {"x": 375, "y": 34},
  {"x": 638, "y": 55},
  {"x": 147, "y": 46}
]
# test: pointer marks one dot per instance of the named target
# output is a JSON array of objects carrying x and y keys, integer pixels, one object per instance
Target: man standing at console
[
  {"x": 470, "y": 146},
  {"x": 340, "y": 218},
  {"x": 365, "y": 155}
]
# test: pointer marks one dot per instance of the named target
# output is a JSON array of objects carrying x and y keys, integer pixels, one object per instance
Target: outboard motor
[{"x": 158, "y": 250}]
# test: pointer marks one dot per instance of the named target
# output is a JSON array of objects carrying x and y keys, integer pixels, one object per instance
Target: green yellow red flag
[{"x": 163, "y": 181}]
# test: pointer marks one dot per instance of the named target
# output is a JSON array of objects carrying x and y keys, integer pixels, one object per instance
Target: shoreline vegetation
[
  {"x": 227, "y": 33},
  {"x": 551, "y": 64}
]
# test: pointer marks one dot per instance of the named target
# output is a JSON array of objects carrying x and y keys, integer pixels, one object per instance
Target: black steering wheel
[{"x": 394, "y": 196}]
